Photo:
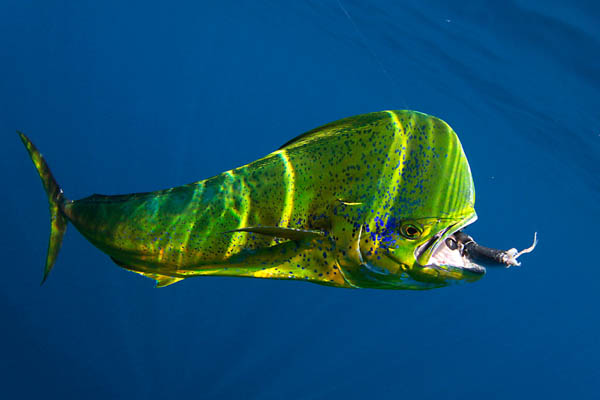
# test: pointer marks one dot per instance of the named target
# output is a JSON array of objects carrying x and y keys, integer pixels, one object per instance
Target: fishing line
[{"x": 365, "y": 43}]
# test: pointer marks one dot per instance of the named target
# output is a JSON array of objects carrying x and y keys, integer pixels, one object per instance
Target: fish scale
[{"x": 330, "y": 206}]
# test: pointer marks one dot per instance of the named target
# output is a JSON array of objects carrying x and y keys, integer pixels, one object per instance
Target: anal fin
[{"x": 161, "y": 280}]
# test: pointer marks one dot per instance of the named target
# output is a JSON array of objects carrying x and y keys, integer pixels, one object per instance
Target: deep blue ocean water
[{"x": 149, "y": 95}]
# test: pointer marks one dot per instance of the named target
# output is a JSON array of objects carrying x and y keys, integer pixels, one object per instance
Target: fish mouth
[{"x": 444, "y": 250}]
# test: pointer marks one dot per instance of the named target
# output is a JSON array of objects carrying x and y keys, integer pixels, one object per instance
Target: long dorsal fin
[
  {"x": 161, "y": 280},
  {"x": 285, "y": 233},
  {"x": 334, "y": 127}
]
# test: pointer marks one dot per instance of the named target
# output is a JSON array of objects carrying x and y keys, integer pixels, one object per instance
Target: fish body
[{"x": 363, "y": 202}]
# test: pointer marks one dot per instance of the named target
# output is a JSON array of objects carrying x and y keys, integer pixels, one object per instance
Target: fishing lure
[{"x": 376, "y": 200}]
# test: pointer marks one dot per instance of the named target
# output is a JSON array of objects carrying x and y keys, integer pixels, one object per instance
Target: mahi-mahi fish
[{"x": 377, "y": 200}]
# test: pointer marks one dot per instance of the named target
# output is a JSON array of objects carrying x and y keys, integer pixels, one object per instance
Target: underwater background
[{"x": 147, "y": 95}]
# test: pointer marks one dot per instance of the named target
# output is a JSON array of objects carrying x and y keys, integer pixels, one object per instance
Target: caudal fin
[{"x": 58, "y": 220}]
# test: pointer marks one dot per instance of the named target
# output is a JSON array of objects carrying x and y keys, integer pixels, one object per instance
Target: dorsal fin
[
  {"x": 285, "y": 233},
  {"x": 337, "y": 126}
]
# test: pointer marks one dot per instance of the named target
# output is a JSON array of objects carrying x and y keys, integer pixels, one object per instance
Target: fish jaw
[
  {"x": 428, "y": 263},
  {"x": 437, "y": 252},
  {"x": 442, "y": 260}
]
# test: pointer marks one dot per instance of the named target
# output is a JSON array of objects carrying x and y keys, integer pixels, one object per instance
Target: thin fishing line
[{"x": 364, "y": 41}]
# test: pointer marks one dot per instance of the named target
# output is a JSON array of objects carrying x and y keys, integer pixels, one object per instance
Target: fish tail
[{"x": 56, "y": 198}]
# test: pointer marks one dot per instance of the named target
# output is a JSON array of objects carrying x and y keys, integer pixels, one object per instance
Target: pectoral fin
[
  {"x": 310, "y": 260},
  {"x": 284, "y": 233}
]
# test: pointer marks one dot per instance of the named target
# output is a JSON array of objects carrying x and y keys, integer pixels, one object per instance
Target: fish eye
[{"x": 410, "y": 231}]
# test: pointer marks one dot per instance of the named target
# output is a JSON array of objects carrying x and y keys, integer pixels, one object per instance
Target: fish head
[
  {"x": 418, "y": 253},
  {"x": 422, "y": 200}
]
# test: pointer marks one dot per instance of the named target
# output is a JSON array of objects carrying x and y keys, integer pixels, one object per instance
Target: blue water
[{"x": 147, "y": 96}]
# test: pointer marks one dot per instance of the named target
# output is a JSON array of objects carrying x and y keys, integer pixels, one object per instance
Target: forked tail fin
[{"x": 58, "y": 220}]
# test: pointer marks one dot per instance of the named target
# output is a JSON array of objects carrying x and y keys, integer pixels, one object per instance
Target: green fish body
[{"x": 363, "y": 202}]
